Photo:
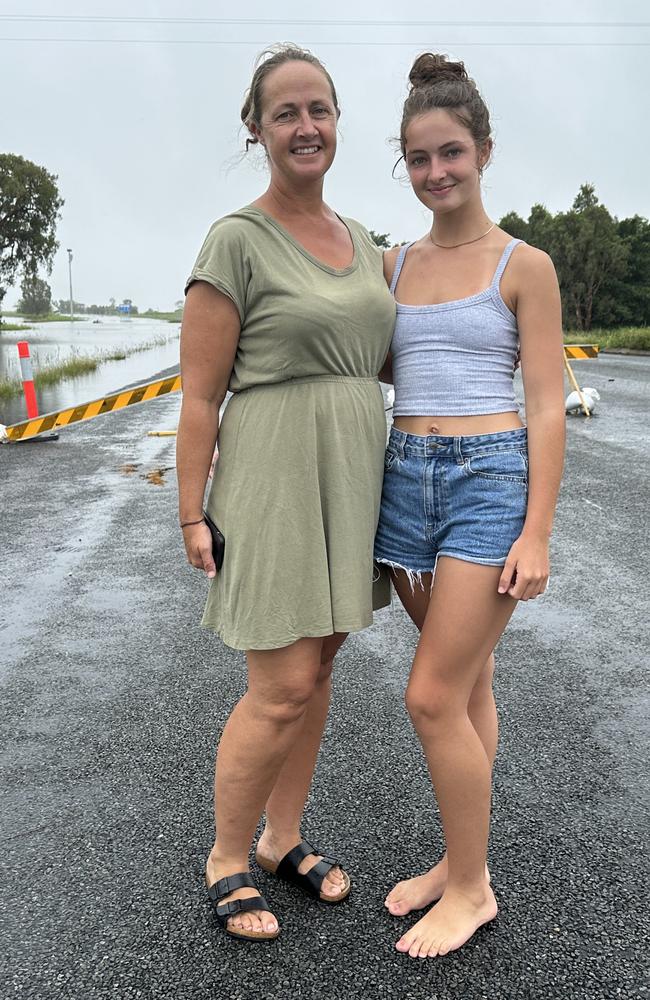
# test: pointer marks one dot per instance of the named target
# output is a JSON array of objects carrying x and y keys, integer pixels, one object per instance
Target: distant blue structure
[{"x": 124, "y": 308}]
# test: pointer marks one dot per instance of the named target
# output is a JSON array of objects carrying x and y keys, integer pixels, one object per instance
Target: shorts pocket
[
  {"x": 500, "y": 466},
  {"x": 390, "y": 457}
]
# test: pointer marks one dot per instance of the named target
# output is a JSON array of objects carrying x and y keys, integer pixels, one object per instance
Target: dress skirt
[{"x": 296, "y": 492}]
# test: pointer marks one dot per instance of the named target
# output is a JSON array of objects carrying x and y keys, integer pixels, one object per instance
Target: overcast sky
[{"x": 139, "y": 116}]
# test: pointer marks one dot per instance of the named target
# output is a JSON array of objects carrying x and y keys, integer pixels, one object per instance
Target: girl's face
[
  {"x": 298, "y": 128},
  {"x": 443, "y": 161}
]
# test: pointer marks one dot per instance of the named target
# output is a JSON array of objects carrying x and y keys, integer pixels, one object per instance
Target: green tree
[
  {"x": 381, "y": 240},
  {"x": 29, "y": 209},
  {"x": 586, "y": 247},
  {"x": 625, "y": 300},
  {"x": 515, "y": 226},
  {"x": 36, "y": 296},
  {"x": 587, "y": 251}
]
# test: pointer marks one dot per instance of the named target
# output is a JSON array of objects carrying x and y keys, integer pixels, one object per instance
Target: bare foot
[
  {"x": 449, "y": 924},
  {"x": 256, "y": 921},
  {"x": 416, "y": 893},
  {"x": 274, "y": 849}
]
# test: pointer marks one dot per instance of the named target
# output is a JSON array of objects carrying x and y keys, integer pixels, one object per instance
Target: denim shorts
[{"x": 451, "y": 496}]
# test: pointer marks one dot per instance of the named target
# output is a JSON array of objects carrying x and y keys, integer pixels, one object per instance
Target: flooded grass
[
  {"x": 169, "y": 317},
  {"x": 13, "y": 327},
  {"x": 54, "y": 318},
  {"x": 75, "y": 366}
]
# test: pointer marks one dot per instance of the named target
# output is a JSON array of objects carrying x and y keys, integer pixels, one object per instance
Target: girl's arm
[
  {"x": 389, "y": 258},
  {"x": 209, "y": 338},
  {"x": 539, "y": 318}
]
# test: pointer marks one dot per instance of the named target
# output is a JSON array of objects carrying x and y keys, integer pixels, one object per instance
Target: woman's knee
[{"x": 282, "y": 706}]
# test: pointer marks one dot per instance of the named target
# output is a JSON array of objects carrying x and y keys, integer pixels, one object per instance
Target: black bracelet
[{"x": 184, "y": 524}]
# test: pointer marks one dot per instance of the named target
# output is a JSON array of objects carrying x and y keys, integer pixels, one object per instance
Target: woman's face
[
  {"x": 298, "y": 128},
  {"x": 442, "y": 160}
]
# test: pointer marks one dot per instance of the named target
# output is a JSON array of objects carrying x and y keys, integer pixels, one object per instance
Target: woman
[
  {"x": 286, "y": 307},
  {"x": 469, "y": 492}
]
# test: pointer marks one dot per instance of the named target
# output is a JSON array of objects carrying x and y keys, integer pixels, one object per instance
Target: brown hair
[
  {"x": 438, "y": 83},
  {"x": 267, "y": 61}
]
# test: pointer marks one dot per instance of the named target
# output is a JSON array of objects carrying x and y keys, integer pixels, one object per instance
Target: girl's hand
[
  {"x": 526, "y": 572},
  {"x": 198, "y": 545}
]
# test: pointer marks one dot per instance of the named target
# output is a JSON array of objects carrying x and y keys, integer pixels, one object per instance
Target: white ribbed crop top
[{"x": 455, "y": 358}]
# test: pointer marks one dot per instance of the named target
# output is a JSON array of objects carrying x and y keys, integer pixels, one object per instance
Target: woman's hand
[
  {"x": 198, "y": 545},
  {"x": 526, "y": 572}
]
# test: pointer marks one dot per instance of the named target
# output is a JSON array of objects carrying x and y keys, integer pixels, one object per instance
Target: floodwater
[{"x": 51, "y": 343}]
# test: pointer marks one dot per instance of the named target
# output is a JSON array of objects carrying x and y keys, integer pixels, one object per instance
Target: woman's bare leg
[
  {"x": 256, "y": 741},
  {"x": 286, "y": 802},
  {"x": 464, "y": 620},
  {"x": 416, "y": 893}
]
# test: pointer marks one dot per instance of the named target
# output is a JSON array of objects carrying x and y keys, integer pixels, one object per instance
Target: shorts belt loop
[{"x": 458, "y": 452}]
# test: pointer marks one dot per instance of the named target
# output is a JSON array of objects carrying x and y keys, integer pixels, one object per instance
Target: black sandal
[
  {"x": 312, "y": 880},
  {"x": 223, "y": 887}
]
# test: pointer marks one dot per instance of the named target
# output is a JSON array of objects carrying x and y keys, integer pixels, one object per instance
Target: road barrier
[
  {"x": 96, "y": 408},
  {"x": 152, "y": 390},
  {"x": 579, "y": 351}
]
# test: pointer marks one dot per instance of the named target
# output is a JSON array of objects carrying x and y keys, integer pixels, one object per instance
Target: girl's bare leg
[
  {"x": 416, "y": 893},
  {"x": 256, "y": 741},
  {"x": 464, "y": 620},
  {"x": 285, "y": 805}
]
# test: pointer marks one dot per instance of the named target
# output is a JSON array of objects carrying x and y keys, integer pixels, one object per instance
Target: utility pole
[{"x": 70, "y": 275}]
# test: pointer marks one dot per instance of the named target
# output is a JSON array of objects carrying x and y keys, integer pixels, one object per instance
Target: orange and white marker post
[{"x": 27, "y": 379}]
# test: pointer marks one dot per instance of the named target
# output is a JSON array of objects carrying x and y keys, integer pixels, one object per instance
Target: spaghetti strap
[
  {"x": 398, "y": 266},
  {"x": 505, "y": 257}
]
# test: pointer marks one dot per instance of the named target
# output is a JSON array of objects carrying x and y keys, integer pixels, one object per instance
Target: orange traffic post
[{"x": 27, "y": 378}]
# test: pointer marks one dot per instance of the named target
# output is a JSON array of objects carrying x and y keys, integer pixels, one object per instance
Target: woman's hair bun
[{"x": 431, "y": 67}]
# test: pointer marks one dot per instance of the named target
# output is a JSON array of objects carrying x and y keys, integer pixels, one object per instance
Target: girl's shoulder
[{"x": 529, "y": 260}]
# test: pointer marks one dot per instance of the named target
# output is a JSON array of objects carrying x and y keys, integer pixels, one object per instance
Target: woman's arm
[
  {"x": 539, "y": 318},
  {"x": 209, "y": 338}
]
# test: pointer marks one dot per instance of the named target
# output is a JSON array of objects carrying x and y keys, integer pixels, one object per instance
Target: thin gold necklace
[{"x": 452, "y": 246}]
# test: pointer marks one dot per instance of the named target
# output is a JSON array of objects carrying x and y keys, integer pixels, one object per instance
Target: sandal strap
[
  {"x": 295, "y": 856},
  {"x": 234, "y": 906},
  {"x": 311, "y": 880},
  {"x": 224, "y": 886}
]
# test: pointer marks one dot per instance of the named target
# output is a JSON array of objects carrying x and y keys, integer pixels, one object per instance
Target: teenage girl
[{"x": 469, "y": 491}]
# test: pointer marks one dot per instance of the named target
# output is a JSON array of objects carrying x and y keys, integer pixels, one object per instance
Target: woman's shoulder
[{"x": 235, "y": 223}]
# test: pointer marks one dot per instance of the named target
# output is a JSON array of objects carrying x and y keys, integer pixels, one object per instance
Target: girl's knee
[{"x": 429, "y": 703}]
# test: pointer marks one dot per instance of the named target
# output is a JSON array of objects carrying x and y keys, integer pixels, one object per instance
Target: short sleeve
[{"x": 223, "y": 262}]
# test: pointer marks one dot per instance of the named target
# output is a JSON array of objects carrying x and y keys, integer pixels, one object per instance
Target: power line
[
  {"x": 99, "y": 19},
  {"x": 321, "y": 42}
]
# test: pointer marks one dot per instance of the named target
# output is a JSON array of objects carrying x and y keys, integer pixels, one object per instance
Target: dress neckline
[{"x": 352, "y": 266}]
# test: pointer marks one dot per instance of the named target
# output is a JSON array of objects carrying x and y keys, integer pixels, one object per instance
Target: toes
[
  {"x": 404, "y": 943},
  {"x": 414, "y": 949},
  {"x": 398, "y": 908}
]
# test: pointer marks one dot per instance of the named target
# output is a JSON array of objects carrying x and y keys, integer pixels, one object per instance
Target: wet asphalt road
[{"x": 113, "y": 698}]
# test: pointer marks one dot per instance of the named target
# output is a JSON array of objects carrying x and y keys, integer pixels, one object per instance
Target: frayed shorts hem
[{"x": 395, "y": 564}]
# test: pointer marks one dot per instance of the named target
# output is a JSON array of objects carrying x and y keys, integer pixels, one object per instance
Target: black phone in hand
[{"x": 218, "y": 541}]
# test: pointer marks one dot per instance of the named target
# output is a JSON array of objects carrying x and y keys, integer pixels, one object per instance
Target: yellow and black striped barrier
[
  {"x": 581, "y": 350},
  {"x": 108, "y": 404}
]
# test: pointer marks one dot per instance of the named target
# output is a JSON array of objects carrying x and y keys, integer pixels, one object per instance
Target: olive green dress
[{"x": 297, "y": 484}]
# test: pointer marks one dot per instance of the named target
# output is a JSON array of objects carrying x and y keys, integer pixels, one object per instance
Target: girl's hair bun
[{"x": 431, "y": 67}]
